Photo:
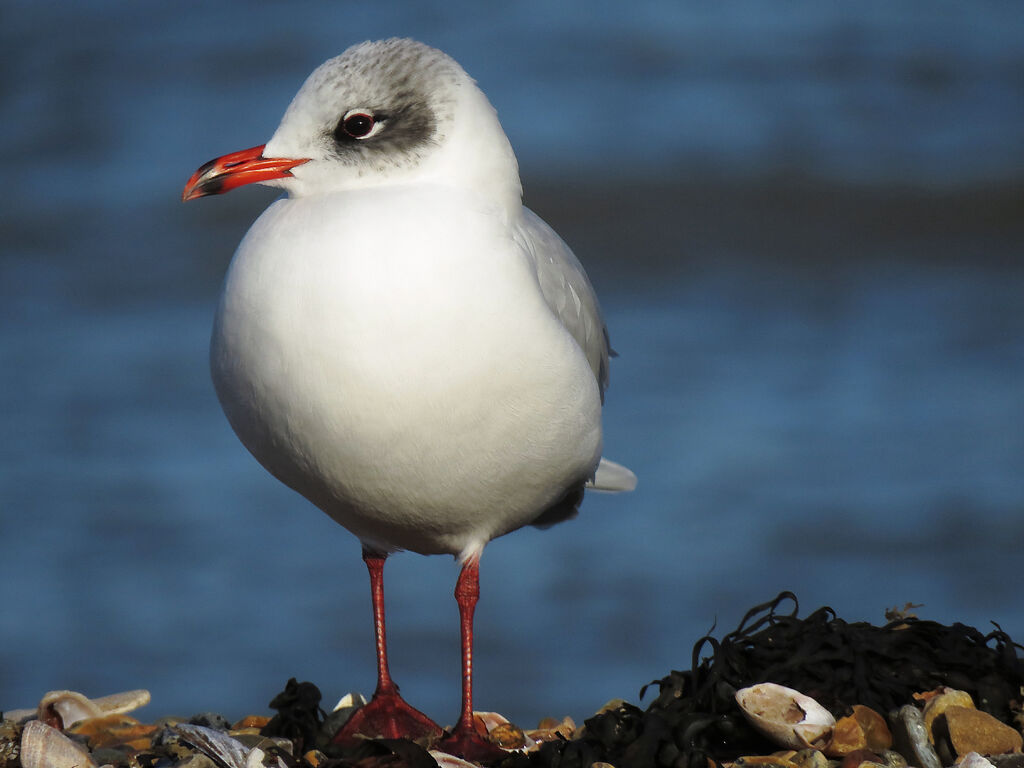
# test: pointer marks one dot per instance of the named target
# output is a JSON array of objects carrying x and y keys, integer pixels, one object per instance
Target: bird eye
[{"x": 357, "y": 125}]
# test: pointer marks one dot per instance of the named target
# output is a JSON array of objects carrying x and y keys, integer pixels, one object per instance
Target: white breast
[{"x": 389, "y": 354}]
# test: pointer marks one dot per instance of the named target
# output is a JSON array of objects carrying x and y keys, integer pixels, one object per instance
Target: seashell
[
  {"x": 787, "y": 717},
  {"x": 223, "y": 749},
  {"x": 64, "y": 708},
  {"x": 444, "y": 760},
  {"x": 18, "y": 715},
  {"x": 550, "y": 729},
  {"x": 974, "y": 760},
  {"x": 43, "y": 746},
  {"x": 257, "y": 759},
  {"x": 351, "y": 700}
]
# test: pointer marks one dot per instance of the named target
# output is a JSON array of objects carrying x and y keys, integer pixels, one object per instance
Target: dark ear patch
[{"x": 406, "y": 127}]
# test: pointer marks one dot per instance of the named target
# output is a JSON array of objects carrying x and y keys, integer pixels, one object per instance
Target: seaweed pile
[{"x": 695, "y": 716}]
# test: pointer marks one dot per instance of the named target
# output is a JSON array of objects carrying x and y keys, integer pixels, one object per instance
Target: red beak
[{"x": 245, "y": 167}]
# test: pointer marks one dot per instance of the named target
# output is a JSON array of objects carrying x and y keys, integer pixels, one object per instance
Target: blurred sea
[{"x": 805, "y": 222}]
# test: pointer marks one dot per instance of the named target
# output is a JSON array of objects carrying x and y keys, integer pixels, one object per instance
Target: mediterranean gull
[{"x": 404, "y": 343}]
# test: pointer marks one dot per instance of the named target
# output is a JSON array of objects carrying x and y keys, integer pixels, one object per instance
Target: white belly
[{"x": 409, "y": 380}]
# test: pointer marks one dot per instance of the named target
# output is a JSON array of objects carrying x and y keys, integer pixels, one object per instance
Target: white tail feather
[{"x": 612, "y": 477}]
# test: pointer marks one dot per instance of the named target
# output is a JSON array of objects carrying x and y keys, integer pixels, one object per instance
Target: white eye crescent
[{"x": 360, "y": 124}]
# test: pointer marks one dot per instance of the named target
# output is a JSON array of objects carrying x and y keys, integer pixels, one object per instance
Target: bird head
[{"x": 387, "y": 112}]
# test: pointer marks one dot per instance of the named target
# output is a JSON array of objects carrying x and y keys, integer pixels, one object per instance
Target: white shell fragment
[
  {"x": 351, "y": 700},
  {"x": 974, "y": 760},
  {"x": 71, "y": 707},
  {"x": 787, "y": 717},
  {"x": 43, "y": 746},
  {"x": 445, "y": 760}
]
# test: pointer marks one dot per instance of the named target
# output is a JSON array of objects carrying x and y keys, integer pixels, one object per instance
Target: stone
[
  {"x": 877, "y": 736},
  {"x": 210, "y": 720},
  {"x": 115, "y": 730},
  {"x": 10, "y": 744},
  {"x": 809, "y": 758},
  {"x": 910, "y": 737},
  {"x": 858, "y": 757},
  {"x": 965, "y": 730},
  {"x": 507, "y": 736},
  {"x": 892, "y": 759},
  {"x": 936, "y": 705},
  {"x": 847, "y": 736},
  {"x": 251, "y": 721},
  {"x": 197, "y": 760},
  {"x": 763, "y": 761}
]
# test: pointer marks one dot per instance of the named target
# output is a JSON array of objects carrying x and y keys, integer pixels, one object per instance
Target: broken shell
[
  {"x": 787, "y": 717},
  {"x": 352, "y": 700},
  {"x": 18, "y": 715},
  {"x": 550, "y": 729},
  {"x": 43, "y": 746},
  {"x": 974, "y": 760},
  {"x": 64, "y": 708},
  {"x": 445, "y": 760}
]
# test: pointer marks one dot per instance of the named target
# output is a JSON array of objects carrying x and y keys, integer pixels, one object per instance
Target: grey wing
[{"x": 568, "y": 292}]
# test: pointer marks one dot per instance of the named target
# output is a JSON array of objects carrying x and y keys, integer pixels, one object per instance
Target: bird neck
[{"x": 476, "y": 154}]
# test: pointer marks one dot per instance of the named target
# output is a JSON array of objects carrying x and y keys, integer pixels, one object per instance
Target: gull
[{"x": 402, "y": 342}]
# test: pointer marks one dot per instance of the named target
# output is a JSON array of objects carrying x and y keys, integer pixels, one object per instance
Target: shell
[
  {"x": 550, "y": 729},
  {"x": 223, "y": 749},
  {"x": 352, "y": 700},
  {"x": 18, "y": 715},
  {"x": 974, "y": 760},
  {"x": 43, "y": 746},
  {"x": 63, "y": 708},
  {"x": 444, "y": 760},
  {"x": 787, "y": 717}
]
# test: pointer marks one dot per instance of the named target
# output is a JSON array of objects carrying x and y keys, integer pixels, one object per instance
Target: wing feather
[{"x": 567, "y": 290}]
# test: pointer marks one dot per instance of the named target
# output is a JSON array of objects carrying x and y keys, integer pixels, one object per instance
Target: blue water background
[{"x": 804, "y": 223}]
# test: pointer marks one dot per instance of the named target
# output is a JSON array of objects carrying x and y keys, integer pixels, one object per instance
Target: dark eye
[{"x": 358, "y": 125}]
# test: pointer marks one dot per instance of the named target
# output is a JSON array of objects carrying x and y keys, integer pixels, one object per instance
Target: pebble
[
  {"x": 10, "y": 743},
  {"x": 809, "y": 758},
  {"x": 910, "y": 737},
  {"x": 213, "y": 720},
  {"x": 197, "y": 760},
  {"x": 940, "y": 702},
  {"x": 970, "y": 730}
]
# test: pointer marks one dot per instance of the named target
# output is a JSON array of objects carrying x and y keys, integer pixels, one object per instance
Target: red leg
[
  {"x": 386, "y": 715},
  {"x": 464, "y": 740}
]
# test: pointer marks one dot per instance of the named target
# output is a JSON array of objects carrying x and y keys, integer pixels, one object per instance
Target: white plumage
[{"x": 399, "y": 339}]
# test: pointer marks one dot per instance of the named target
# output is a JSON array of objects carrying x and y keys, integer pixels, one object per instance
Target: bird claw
[
  {"x": 386, "y": 716},
  {"x": 471, "y": 746}
]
